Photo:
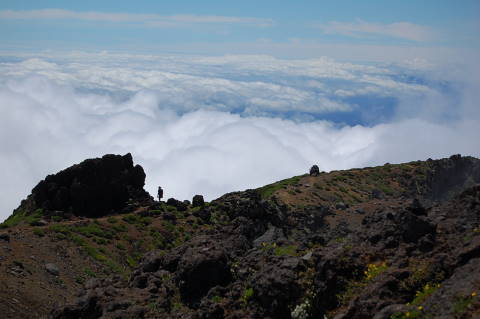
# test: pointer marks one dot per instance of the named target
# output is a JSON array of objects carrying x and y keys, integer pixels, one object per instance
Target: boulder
[
  {"x": 314, "y": 170},
  {"x": 413, "y": 227},
  {"x": 275, "y": 285},
  {"x": 179, "y": 205},
  {"x": 203, "y": 265},
  {"x": 198, "y": 201},
  {"x": 94, "y": 188},
  {"x": 85, "y": 307},
  {"x": 272, "y": 235}
]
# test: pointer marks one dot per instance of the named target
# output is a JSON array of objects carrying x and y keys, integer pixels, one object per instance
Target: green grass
[
  {"x": 119, "y": 228},
  {"x": 168, "y": 226},
  {"x": 39, "y": 232},
  {"x": 112, "y": 220},
  {"x": 131, "y": 218},
  {"x": 20, "y": 216},
  {"x": 422, "y": 295},
  {"x": 93, "y": 252},
  {"x": 93, "y": 229},
  {"x": 157, "y": 238},
  {"x": 78, "y": 240},
  {"x": 114, "y": 267},
  {"x": 414, "y": 314},
  {"x": 290, "y": 250},
  {"x": 268, "y": 190},
  {"x": 461, "y": 304},
  {"x": 57, "y": 218},
  {"x": 89, "y": 272},
  {"x": 216, "y": 299},
  {"x": 132, "y": 262},
  {"x": 60, "y": 228},
  {"x": 247, "y": 295},
  {"x": 137, "y": 220},
  {"x": 80, "y": 280},
  {"x": 353, "y": 286}
]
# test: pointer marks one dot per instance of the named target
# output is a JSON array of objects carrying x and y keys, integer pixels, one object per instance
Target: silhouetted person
[{"x": 160, "y": 193}]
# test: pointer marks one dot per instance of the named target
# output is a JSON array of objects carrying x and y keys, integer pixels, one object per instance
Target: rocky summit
[
  {"x": 93, "y": 188},
  {"x": 388, "y": 242}
]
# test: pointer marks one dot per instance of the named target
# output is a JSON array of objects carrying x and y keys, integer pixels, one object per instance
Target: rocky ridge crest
[{"x": 389, "y": 242}]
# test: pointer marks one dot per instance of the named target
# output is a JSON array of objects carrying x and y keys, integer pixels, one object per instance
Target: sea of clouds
[{"x": 211, "y": 125}]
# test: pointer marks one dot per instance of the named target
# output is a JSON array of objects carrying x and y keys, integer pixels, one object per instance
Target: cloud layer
[
  {"x": 151, "y": 20},
  {"x": 245, "y": 85},
  {"x": 210, "y": 125},
  {"x": 399, "y": 30}
]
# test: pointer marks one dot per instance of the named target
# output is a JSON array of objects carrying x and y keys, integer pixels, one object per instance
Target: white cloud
[
  {"x": 249, "y": 85},
  {"x": 152, "y": 20},
  {"x": 53, "y": 115},
  {"x": 359, "y": 29}
]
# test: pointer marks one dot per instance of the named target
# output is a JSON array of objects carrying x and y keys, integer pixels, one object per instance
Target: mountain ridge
[{"x": 358, "y": 243}]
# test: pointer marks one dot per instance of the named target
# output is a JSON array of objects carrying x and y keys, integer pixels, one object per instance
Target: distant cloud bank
[
  {"x": 401, "y": 30},
  {"x": 151, "y": 20},
  {"x": 211, "y": 125}
]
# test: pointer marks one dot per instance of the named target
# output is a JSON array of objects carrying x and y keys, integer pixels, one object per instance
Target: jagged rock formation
[
  {"x": 93, "y": 188},
  {"x": 447, "y": 177}
]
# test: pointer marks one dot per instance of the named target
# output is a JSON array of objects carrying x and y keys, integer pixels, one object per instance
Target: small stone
[
  {"x": 5, "y": 237},
  {"x": 307, "y": 256},
  {"x": 92, "y": 283},
  {"x": 360, "y": 211},
  {"x": 41, "y": 222},
  {"x": 341, "y": 205},
  {"x": 52, "y": 269}
]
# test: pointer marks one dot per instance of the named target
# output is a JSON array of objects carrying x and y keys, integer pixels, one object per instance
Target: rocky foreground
[{"x": 389, "y": 242}]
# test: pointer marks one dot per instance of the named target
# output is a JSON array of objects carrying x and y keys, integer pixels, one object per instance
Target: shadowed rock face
[
  {"x": 449, "y": 176},
  {"x": 93, "y": 188}
]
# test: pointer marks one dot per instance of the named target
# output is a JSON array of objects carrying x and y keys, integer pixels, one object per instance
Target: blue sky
[
  {"x": 219, "y": 96},
  {"x": 220, "y": 27}
]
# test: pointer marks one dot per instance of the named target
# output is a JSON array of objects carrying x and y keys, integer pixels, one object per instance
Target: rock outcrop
[
  {"x": 449, "y": 176},
  {"x": 314, "y": 170},
  {"x": 93, "y": 188}
]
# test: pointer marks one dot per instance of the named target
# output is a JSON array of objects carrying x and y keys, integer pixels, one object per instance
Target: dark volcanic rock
[
  {"x": 5, "y": 237},
  {"x": 314, "y": 170},
  {"x": 179, "y": 205},
  {"x": 93, "y": 188},
  {"x": 275, "y": 285},
  {"x": 198, "y": 201},
  {"x": 201, "y": 267},
  {"x": 85, "y": 307},
  {"x": 411, "y": 249},
  {"x": 450, "y": 176}
]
